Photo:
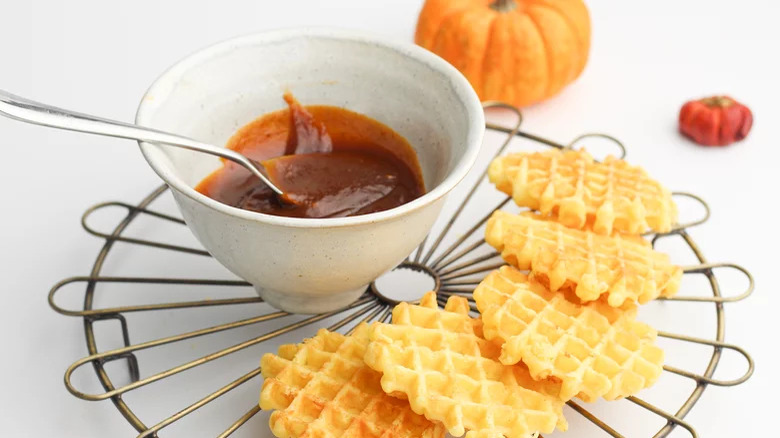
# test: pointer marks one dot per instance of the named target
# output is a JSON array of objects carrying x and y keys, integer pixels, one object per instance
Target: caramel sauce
[{"x": 331, "y": 161}]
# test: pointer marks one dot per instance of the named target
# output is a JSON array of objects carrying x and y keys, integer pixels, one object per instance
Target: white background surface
[{"x": 99, "y": 57}]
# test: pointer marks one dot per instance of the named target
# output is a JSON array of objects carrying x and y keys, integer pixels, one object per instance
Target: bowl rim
[{"x": 459, "y": 84}]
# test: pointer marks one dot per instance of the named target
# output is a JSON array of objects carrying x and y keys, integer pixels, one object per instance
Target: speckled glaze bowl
[{"x": 312, "y": 265}]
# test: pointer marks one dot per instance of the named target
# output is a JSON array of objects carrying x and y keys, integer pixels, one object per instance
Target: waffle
[
  {"x": 589, "y": 263},
  {"x": 569, "y": 185},
  {"x": 595, "y": 350},
  {"x": 440, "y": 362},
  {"x": 323, "y": 389}
]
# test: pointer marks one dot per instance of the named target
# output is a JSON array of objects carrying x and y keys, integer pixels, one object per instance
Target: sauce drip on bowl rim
[{"x": 331, "y": 162}]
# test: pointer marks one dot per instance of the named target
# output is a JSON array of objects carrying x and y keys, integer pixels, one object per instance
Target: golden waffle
[
  {"x": 590, "y": 263},
  {"x": 323, "y": 389},
  {"x": 439, "y": 360},
  {"x": 594, "y": 350},
  {"x": 569, "y": 185}
]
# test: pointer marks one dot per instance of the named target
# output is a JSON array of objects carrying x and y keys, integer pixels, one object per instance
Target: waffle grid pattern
[
  {"x": 589, "y": 263},
  {"x": 449, "y": 373},
  {"x": 570, "y": 185},
  {"x": 323, "y": 389},
  {"x": 594, "y": 350}
]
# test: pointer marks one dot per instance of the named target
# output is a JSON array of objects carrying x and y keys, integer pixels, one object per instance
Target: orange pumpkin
[{"x": 516, "y": 51}]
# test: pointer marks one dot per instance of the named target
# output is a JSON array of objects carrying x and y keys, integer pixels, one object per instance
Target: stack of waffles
[{"x": 558, "y": 322}]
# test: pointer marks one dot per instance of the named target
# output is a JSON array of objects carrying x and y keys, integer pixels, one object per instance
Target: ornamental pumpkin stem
[
  {"x": 504, "y": 6},
  {"x": 718, "y": 101}
]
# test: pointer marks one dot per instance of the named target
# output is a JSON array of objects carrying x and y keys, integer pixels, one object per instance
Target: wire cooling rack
[{"x": 454, "y": 258}]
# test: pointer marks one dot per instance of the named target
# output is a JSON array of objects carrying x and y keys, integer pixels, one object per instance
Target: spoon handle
[{"x": 25, "y": 110}]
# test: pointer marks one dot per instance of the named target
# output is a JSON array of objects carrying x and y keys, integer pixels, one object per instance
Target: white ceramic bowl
[{"x": 312, "y": 265}]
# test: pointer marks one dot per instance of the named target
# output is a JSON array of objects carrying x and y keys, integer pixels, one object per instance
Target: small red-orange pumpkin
[
  {"x": 516, "y": 51},
  {"x": 715, "y": 121}
]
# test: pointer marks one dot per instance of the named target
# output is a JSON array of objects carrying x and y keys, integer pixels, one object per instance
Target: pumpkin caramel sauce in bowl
[{"x": 314, "y": 264}]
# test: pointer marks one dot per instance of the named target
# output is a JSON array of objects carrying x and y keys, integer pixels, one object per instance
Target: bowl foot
[{"x": 310, "y": 304}]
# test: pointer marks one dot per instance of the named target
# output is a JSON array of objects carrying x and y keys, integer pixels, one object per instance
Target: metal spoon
[{"x": 25, "y": 110}]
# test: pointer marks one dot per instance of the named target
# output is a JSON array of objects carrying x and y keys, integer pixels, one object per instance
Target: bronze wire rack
[{"x": 450, "y": 268}]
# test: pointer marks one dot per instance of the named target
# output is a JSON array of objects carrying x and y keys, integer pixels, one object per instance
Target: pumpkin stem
[
  {"x": 717, "y": 101},
  {"x": 504, "y": 6}
]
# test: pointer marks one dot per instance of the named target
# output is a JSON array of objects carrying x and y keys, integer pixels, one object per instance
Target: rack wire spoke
[
  {"x": 473, "y": 283},
  {"x": 480, "y": 179},
  {"x": 368, "y": 318},
  {"x": 718, "y": 345},
  {"x": 465, "y": 251},
  {"x": 478, "y": 270},
  {"x": 614, "y": 140},
  {"x": 146, "y": 307},
  {"x": 660, "y": 412},
  {"x": 457, "y": 293},
  {"x": 338, "y": 325},
  {"x": 594, "y": 419},
  {"x": 695, "y": 222},
  {"x": 386, "y": 316},
  {"x": 130, "y": 208},
  {"x": 439, "y": 264},
  {"x": 200, "y": 403},
  {"x": 671, "y": 420},
  {"x": 161, "y": 306},
  {"x": 707, "y": 269},
  {"x": 240, "y": 422},
  {"x": 133, "y": 211},
  {"x": 197, "y": 362},
  {"x": 121, "y": 352},
  {"x": 460, "y": 290},
  {"x": 468, "y": 263},
  {"x": 517, "y": 133}
]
